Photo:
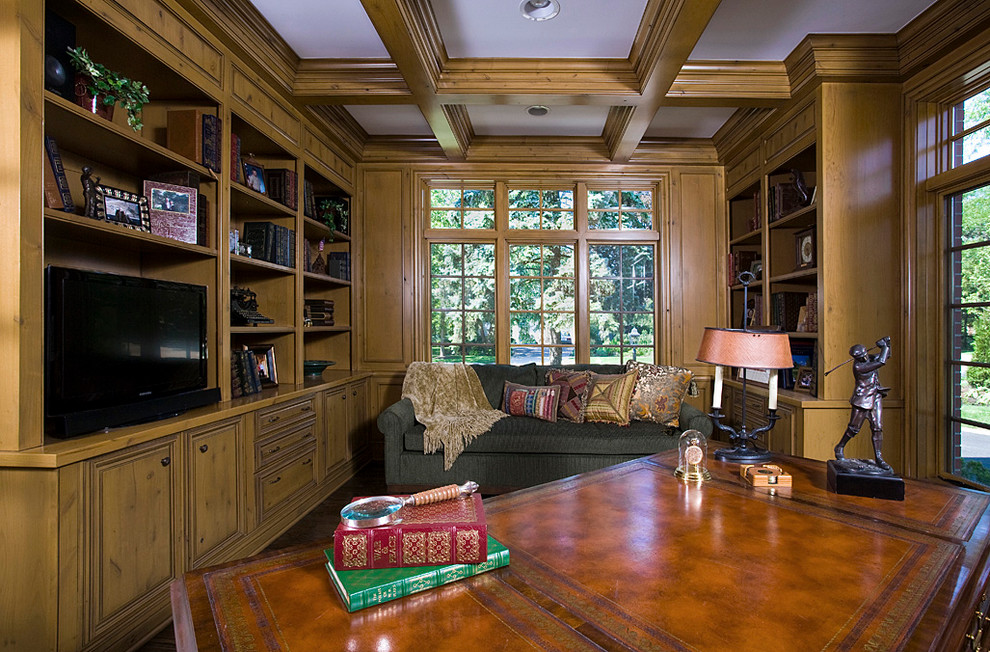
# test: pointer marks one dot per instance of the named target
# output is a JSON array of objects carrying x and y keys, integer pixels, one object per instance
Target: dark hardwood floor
[{"x": 318, "y": 525}]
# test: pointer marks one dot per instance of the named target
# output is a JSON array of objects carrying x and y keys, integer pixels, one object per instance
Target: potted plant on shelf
[{"x": 99, "y": 89}]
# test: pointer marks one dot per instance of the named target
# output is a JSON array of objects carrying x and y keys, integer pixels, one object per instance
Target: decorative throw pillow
[
  {"x": 523, "y": 401},
  {"x": 574, "y": 386},
  {"x": 659, "y": 392},
  {"x": 608, "y": 398}
]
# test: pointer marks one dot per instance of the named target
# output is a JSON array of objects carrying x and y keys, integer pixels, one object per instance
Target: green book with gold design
[{"x": 364, "y": 588}]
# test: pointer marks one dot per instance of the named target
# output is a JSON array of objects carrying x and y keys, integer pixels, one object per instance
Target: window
[
  {"x": 970, "y": 137},
  {"x": 969, "y": 333},
  {"x": 462, "y": 208},
  {"x": 541, "y": 209},
  {"x": 462, "y": 302},
  {"x": 552, "y": 279},
  {"x": 620, "y": 209},
  {"x": 621, "y": 303},
  {"x": 541, "y": 304}
]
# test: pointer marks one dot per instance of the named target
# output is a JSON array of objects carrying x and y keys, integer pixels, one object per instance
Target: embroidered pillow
[
  {"x": 659, "y": 392},
  {"x": 608, "y": 398},
  {"x": 574, "y": 386},
  {"x": 539, "y": 402}
]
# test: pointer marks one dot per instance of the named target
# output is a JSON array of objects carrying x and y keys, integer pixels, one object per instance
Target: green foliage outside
[{"x": 975, "y": 471}]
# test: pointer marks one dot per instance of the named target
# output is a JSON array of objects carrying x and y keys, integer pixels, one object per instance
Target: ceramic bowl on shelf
[{"x": 315, "y": 367}]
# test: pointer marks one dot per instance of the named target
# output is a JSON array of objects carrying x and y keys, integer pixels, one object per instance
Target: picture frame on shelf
[
  {"x": 254, "y": 175},
  {"x": 267, "y": 369},
  {"x": 121, "y": 207},
  {"x": 173, "y": 210},
  {"x": 804, "y": 380},
  {"x": 756, "y": 269},
  {"x": 805, "y": 249}
]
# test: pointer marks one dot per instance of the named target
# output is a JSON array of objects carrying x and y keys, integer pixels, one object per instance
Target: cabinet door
[
  {"x": 335, "y": 411},
  {"x": 216, "y": 483},
  {"x": 133, "y": 531},
  {"x": 357, "y": 418}
]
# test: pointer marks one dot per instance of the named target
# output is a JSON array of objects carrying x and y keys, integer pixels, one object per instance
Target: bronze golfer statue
[{"x": 872, "y": 478}]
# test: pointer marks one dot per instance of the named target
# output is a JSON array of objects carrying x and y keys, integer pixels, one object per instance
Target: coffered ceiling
[{"x": 620, "y": 71}]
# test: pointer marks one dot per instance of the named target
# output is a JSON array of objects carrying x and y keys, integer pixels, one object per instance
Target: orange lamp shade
[{"x": 742, "y": 348}]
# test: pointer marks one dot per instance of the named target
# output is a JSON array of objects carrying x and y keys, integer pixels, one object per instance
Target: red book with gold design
[{"x": 448, "y": 532}]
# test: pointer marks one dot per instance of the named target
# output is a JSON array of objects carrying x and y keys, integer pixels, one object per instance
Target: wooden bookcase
[
  {"x": 840, "y": 138},
  {"x": 101, "y": 524}
]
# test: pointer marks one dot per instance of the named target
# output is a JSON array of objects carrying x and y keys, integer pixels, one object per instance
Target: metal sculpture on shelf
[{"x": 244, "y": 308}]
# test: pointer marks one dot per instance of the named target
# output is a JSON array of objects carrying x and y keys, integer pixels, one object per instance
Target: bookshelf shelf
[
  {"x": 324, "y": 279},
  {"x": 237, "y": 261},
  {"x": 801, "y": 218},
  {"x": 246, "y": 200},
  {"x": 77, "y": 228}
]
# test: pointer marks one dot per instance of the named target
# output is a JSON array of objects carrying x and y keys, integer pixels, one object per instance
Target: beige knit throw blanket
[{"x": 450, "y": 402}]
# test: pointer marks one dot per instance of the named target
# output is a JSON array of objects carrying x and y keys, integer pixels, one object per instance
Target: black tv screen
[{"x": 122, "y": 349}]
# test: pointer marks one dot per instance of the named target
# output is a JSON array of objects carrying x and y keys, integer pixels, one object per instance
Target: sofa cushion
[
  {"x": 574, "y": 386},
  {"x": 529, "y": 401},
  {"x": 524, "y": 435},
  {"x": 659, "y": 392},
  {"x": 493, "y": 377},
  {"x": 609, "y": 397}
]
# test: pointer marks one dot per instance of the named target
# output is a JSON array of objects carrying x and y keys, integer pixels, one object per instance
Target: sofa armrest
[
  {"x": 397, "y": 418},
  {"x": 691, "y": 417}
]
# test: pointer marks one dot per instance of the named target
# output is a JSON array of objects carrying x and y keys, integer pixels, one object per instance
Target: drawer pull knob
[
  {"x": 354, "y": 393},
  {"x": 307, "y": 408},
  {"x": 308, "y": 461},
  {"x": 273, "y": 419},
  {"x": 204, "y": 448},
  {"x": 275, "y": 450},
  {"x": 166, "y": 461},
  {"x": 278, "y": 479}
]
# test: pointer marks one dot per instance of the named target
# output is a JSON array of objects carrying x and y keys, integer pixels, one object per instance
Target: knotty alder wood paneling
[{"x": 385, "y": 325}]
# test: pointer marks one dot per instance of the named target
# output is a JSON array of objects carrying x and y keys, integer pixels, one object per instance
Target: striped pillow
[
  {"x": 523, "y": 401},
  {"x": 608, "y": 400}
]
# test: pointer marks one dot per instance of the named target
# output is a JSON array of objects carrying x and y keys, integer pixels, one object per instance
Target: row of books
[
  {"x": 195, "y": 134},
  {"x": 431, "y": 545},
  {"x": 280, "y": 185},
  {"x": 743, "y": 260},
  {"x": 318, "y": 311},
  {"x": 339, "y": 265},
  {"x": 245, "y": 377},
  {"x": 271, "y": 242}
]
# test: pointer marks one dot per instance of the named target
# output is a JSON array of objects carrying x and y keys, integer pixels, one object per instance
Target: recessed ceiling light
[
  {"x": 539, "y": 9},
  {"x": 538, "y": 110}
]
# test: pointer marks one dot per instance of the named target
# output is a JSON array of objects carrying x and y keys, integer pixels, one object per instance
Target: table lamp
[{"x": 746, "y": 349}]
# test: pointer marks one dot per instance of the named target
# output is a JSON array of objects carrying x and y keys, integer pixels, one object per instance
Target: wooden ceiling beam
[
  {"x": 409, "y": 33},
  {"x": 674, "y": 26}
]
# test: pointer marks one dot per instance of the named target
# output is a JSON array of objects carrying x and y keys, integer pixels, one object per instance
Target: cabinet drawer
[
  {"x": 282, "y": 443},
  {"x": 285, "y": 481},
  {"x": 277, "y": 416}
]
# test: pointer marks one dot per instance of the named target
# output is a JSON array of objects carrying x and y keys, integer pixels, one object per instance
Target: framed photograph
[
  {"x": 122, "y": 207},
  {"x": 804, "y": 380},
  {"x": 254, "y": 176},
  {"x": 265, "y": 353},
  {"x": 173, "y": 210},
  {"x": 805, "y": 248},
  {"x": 756, "y": 269}
]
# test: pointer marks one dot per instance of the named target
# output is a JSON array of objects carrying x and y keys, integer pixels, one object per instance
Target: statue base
[{"x": 863, "y": 478}]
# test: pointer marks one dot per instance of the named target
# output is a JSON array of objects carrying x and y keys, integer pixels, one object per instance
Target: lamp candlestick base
[{"x": 744, "y": 449}]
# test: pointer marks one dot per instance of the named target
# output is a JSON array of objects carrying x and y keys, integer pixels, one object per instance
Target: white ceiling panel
[
  {"x": 390, "y": 120},
  {"x": 683, "y": 122},
  {"x": 317, "y": 29},
  {"x": 768, "y": 30},
  {"x": 561, "y": 121},
  {"x": 583, "y": 28}
]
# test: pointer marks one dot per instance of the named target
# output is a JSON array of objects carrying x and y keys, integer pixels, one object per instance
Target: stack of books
[
  {"x": 280, "y": 184},
  {"x": 339, "y": 265},
  {"x": 318, "y": 311},
  {"x": 271, "y": 242},
  {"x": 245, "y": 377},
  {"x": 431, "y": 545}
]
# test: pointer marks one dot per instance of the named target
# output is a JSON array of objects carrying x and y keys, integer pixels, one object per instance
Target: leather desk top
[{"x": 629, "y": 558}]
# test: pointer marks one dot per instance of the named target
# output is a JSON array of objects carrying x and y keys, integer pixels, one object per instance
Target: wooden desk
[{"x": 629, "y": 558}]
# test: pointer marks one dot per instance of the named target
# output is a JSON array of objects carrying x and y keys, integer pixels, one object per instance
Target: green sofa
[{"x": 521, "y": 451}]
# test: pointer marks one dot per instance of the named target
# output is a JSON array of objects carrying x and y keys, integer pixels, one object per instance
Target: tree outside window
[
  {"x": 541, "y": 209},
  {"x": 462, "y": 302},
  {"x": 620, "y": 209},
  {"x": 541, "y": 304},
  {"x": 622, "y": 303},
  {"x": 462, "y": 208}
]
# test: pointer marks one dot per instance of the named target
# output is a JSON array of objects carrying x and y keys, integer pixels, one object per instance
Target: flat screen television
[{"x": 121, "y": 350}]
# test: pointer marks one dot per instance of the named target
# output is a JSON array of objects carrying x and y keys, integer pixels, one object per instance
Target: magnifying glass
[{"x": 382, "y": 510}]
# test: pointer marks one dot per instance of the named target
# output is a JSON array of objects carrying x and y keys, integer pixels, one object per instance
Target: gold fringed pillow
[
  {"x": 609, "y": 397},
  {"x": 659, "y": 392}
]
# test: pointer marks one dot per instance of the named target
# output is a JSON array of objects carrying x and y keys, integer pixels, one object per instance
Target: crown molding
[
  {"x": 349, "y": 81},
  {"x": 735, "y": 135},
  {"x": 340, "y": 125},
  {"x": 731, "y": 81},
  {"x": 847, "y": 57},
  {"x": 675, "y": 151},
  {"x": 943, "y": 27}
]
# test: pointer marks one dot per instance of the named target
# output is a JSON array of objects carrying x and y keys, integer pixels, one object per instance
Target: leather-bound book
[{"x": 448, "y": 532}]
